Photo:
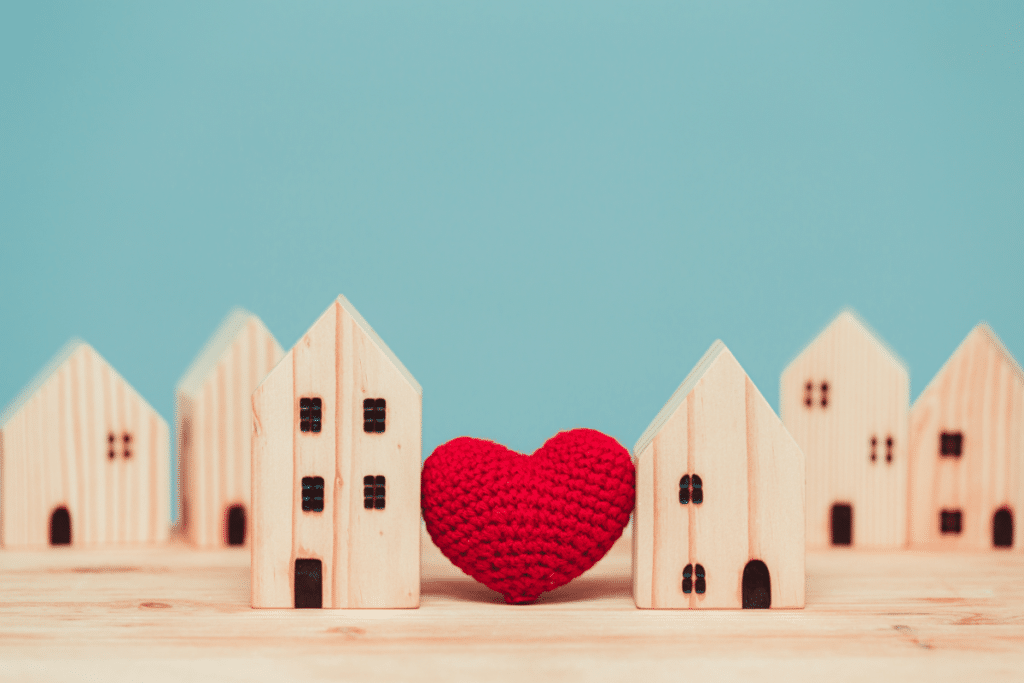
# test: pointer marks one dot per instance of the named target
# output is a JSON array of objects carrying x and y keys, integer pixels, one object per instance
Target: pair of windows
[
  {"x": 888, "y": 449},
  {"x": 694, "y": 580},
  {"x": 691, "y": 489},
  {"x": 311, "y": 415},
  {"x": 126, "y": 445},
  {"x": 374, "y": 493},
  {"x": 951, "y": 444},
  {"x": 809, "y": 395}
]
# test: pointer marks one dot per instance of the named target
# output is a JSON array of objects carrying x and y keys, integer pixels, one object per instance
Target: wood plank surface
[{"x": 178, "y": 613}]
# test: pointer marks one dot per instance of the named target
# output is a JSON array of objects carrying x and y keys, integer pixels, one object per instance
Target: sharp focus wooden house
[
  {"x": 719, "y": 518},
  {"x": 336, "y": 457},
  {"x": 845, "y": 400},
  {"x": 214, "y": 428},
  {"x": 84, "y": 460},
  {"x": 967, "y": 450}
]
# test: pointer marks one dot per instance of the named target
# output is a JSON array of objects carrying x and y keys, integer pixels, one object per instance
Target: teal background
[{"x": 548, "y": 210}]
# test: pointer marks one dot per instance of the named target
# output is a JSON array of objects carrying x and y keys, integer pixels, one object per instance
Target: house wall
[
  {"x": 55, "y": 453},
  {"x": 980, "y": 394},
  {"x": 214, "y": 429},
  {"x": 752, "y": 473},
  {"x": 868, "y": 397},
  {"x": 370, "y": 557}
]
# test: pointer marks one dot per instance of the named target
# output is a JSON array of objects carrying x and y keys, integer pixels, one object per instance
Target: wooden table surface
[{"x": 173, "y": 613}]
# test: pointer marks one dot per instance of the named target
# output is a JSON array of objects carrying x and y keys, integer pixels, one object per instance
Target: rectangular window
[
  {"x": 373, "y": 492},
  {"x": 310, "y": 414},
  {"x": 374, "y": 414},
  {"x": 950, "y": 521},
  {"x": 312, "y": 494},
  {"x": 951, "y": 444}
]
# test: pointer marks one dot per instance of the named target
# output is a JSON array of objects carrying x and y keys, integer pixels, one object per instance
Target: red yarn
[{"x": 522, "y": 525}]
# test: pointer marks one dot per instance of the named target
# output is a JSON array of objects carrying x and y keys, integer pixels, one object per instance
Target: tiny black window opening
[
  {"x": 874, "y": 445},
  {"x": 374, "y": 415},
  {"x": 1002, "y": 528},
  {"x": 312, "y": 494},
  {"x": 127, "y": 438},
  {"x": 691, "y": 489},
  {"x": 951, "y": 521},
  {"x": 888, "y": 449},
  {"x": 699, "y": 585},
  {"x": 824, "y": 394},
  {"x": 111, "y": 440},
  {"x": 688, "y": 579},
  {"x": 373, "y": 492},
  {"x": 310, "y": 415},
  {"x": 951, "y": 444},
  {"x": 809, "y": 394},
  {"x": 684, "y": 489},
  {"x": 697, "y": 495}
]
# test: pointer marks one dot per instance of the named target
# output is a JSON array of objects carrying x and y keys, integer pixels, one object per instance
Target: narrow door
[
  {"x": 842, "y": 524},
  {"x": 235, "y": 525},
  {"x": 1002, "y": 528},
  {"x": 60, "y": 527},
  {"x": 309, "y": 588},
  {"x": 757, "y": 586}
]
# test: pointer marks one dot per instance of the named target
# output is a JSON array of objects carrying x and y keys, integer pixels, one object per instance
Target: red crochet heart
[{"x": 522, "y": 525}]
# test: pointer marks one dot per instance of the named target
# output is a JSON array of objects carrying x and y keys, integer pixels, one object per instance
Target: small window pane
[
  {"x": 313, "y": 494},
  {"x": 951, "y": 444}
]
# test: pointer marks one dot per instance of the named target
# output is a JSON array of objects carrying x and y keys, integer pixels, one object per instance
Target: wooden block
[
  {"x": 213, "y": 423},
  {"x": 85, "y": 460},
  {"x": 845, "y": 400},
  {"x": 339, "y": 410},
  {"x": 967, "y": 450},
  {"x": 741, "y": 538}
]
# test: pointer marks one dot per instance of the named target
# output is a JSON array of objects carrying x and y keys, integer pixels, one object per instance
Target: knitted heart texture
[{"x": 525, "y": 524}]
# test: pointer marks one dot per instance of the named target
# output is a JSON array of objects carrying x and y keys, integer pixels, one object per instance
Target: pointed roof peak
[
  {"x": 54, "y": 364},
  {"x": 679, "y": 395},
  {"x": 985, "y": 332},
  {"x": 227, "y": 331},
  {"x": 378, "y": 342},
  {"x": 849, "y": 316}
]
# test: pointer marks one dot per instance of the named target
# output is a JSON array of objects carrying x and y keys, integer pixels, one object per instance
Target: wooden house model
[
  {"x": 214, "y": 428},
  {"x": 845, "y": 400},
  {"x": 967, "y": 450},
  {"x": 336, "y": 458},
  {"x": 719, "y": 518},
  {"x": 84, "y": 460}
]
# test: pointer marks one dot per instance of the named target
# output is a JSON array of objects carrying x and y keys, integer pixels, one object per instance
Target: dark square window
[
  {"x": 950, "y": 521},
  {"x": 373, "y": 492},
  {"x": 374, "y": 415},
  {"x": 310, "y": 415},
  {"x": 951, "y": 444},
  {"x": 312, "y": 494}
]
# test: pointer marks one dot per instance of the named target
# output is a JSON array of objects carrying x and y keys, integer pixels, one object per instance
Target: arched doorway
[
  {"x": 757, "y": 586},
  {"x": 842, "y": 524},
  {"x": 1002, "y": 528},
  {"x": 60, "y": 527},
  {"x": 235, "y": 525}
]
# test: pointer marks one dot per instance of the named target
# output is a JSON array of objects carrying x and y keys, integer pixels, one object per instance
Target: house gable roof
[
  {"x": 378, "y": 342},
  {"x": 674, "y": 401},
  {"x": 986, "y": 333},
  {"x": 849, "y": 317},
  {"x": 191, "y": 383}
]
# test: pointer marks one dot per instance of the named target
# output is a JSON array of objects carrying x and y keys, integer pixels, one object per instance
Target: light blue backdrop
[{"x": 548, "y": 212}]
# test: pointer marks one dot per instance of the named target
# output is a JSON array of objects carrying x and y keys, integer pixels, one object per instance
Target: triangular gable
[
  {"x": 850, "y": 316},
  {"x": 989, "y": 335},
  {"x": 678, "y": 396},
  {"x": 191, "y": 383},
  {"x": 365, "y": 326}
]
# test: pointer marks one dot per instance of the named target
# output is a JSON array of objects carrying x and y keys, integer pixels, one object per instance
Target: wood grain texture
[
  {"x": 369, "y": 557},
  {"x": 56, "y": 445},
  {"x": 867, "y": 399},
  {"x": 179, "y": 613},
  {"x": 213, "y": 423},
  {"x": 721, "y": 429},
  {"x": 979, "y": 394}
]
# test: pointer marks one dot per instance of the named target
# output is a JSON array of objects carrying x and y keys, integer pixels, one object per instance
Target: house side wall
[
  {"x": 868, "y": 397},
  {"x": 274, "y": 501},
  {"x": 381, "y": 547},
  {"x": 643, "y": 529},
  {"x": 979, "y": 395},
  {"x": 670, "y": 523},
  {"x": 57, "y": 455},
  {"x": 219, "y": 474}
]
